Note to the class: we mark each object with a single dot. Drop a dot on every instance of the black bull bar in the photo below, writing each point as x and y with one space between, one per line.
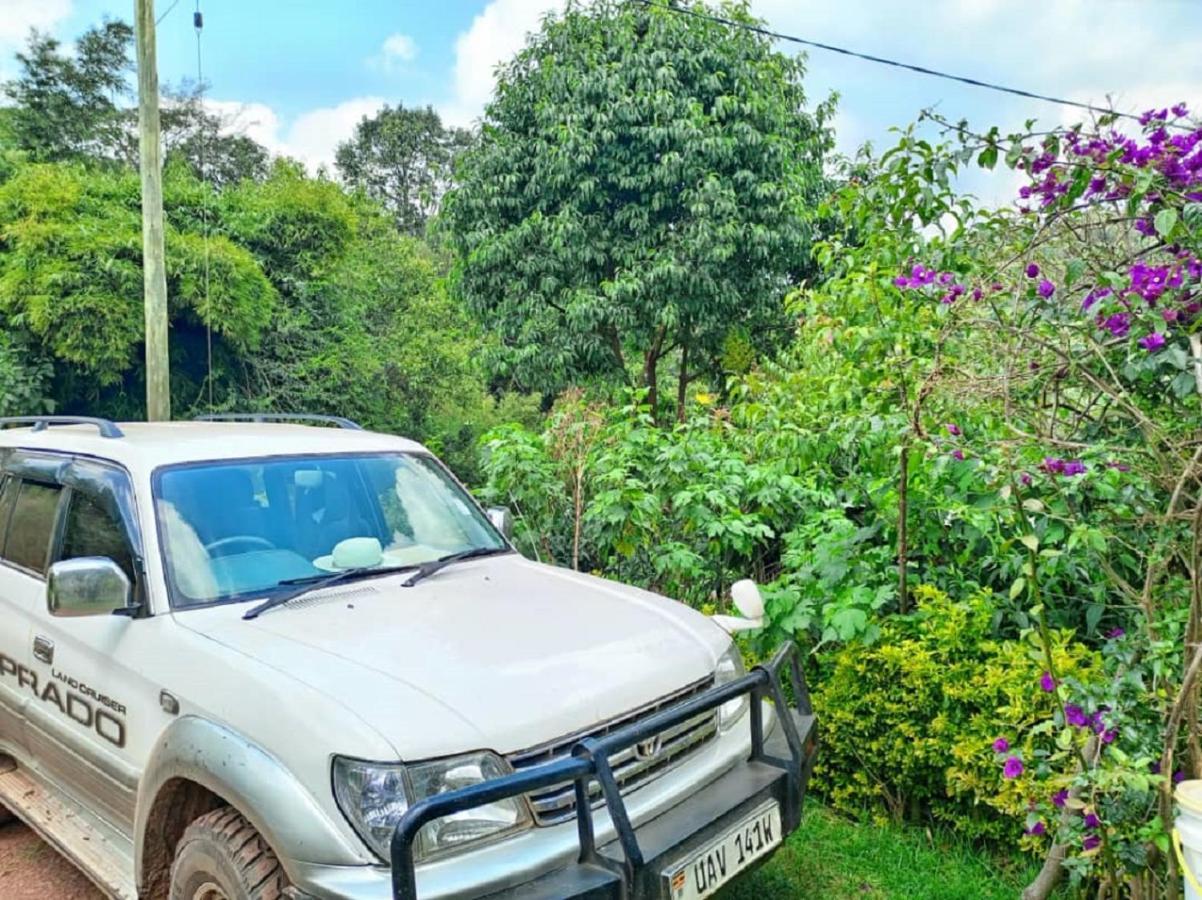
589 761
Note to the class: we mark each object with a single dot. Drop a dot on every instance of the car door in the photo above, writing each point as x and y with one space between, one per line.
18 592
88 733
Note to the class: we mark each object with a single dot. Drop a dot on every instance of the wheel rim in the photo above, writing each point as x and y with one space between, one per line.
209 890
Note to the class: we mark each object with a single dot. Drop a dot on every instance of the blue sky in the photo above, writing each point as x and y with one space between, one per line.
298 74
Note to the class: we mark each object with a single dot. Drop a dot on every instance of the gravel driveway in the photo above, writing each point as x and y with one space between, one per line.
31 870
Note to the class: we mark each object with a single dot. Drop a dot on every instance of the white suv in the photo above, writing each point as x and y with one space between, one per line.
246 659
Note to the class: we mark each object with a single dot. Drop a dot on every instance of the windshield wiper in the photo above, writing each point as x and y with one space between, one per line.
310 583
425 570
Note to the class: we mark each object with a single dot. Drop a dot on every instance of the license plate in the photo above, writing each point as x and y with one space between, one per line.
718 862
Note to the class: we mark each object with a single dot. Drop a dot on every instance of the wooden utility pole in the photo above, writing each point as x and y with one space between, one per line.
154 267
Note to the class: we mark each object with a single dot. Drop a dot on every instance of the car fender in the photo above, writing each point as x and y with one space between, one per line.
249 778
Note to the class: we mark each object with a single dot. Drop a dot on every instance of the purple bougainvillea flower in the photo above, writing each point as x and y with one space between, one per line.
1091 841
1092 821
953 429
1047 683
1109 735
1025 478
1053 465
1073 467
1115 633
1013 767
1153 341
1075 715
1001 745
1032 270
1180 110
1060 798
1046 289
958 454
1178 777
901 281
1037 828
1118 324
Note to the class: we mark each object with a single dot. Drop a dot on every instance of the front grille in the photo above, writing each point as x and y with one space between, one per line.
631 769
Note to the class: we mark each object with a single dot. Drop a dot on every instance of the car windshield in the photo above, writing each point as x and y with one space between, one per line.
237 530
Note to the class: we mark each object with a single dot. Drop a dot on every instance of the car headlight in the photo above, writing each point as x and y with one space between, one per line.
374 797
730 668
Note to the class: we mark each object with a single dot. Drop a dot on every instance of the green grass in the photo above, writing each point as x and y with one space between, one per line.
832 857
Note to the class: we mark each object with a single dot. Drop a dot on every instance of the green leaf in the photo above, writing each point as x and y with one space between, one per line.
1072 271
1165 222
1183 385
988 157
1030 541
1017 587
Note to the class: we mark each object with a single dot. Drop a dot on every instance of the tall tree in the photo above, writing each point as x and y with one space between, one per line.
211 144
69 107
640 188
402 158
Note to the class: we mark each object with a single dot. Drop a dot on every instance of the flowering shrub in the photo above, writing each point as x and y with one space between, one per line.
1087 320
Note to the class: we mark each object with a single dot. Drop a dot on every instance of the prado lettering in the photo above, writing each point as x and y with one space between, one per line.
72 703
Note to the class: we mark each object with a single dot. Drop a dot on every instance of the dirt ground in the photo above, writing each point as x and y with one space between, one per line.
31 870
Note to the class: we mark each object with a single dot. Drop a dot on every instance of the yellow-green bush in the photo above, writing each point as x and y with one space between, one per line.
908 723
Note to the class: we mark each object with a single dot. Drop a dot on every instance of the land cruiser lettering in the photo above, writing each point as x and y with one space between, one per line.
73 703
372 694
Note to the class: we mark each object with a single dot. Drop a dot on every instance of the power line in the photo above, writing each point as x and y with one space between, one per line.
922 70
159 20
198 23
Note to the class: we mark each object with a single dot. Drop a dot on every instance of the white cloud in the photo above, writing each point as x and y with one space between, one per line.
494 36
18 16
396 50
312 137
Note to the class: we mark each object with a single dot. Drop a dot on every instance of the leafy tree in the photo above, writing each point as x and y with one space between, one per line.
71 274
209 143
402 158
68 107
640 189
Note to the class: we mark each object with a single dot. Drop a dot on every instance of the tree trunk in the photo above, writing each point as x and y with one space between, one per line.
683 384
651 371
650 376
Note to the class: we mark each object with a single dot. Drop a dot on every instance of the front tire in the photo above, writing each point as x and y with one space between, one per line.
222 857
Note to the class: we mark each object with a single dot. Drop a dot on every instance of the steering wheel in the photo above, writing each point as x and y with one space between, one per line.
249 540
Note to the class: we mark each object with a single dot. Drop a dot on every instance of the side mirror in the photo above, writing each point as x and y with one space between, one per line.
88 586
747 598
502 520
748 601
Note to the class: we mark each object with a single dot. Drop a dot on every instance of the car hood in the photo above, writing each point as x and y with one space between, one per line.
499 653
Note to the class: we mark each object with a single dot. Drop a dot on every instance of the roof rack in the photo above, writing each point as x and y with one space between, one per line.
107 428
340 421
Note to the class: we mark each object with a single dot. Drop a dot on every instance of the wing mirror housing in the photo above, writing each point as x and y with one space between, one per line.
87 586
748 601
502 520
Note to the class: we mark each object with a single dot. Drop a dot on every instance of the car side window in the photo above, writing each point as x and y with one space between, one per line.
8 493
31 525
91 531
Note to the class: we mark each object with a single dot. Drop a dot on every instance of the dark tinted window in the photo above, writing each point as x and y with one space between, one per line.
31 525
90 531
8 493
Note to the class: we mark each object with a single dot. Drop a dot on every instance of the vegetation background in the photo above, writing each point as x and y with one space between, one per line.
646 306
